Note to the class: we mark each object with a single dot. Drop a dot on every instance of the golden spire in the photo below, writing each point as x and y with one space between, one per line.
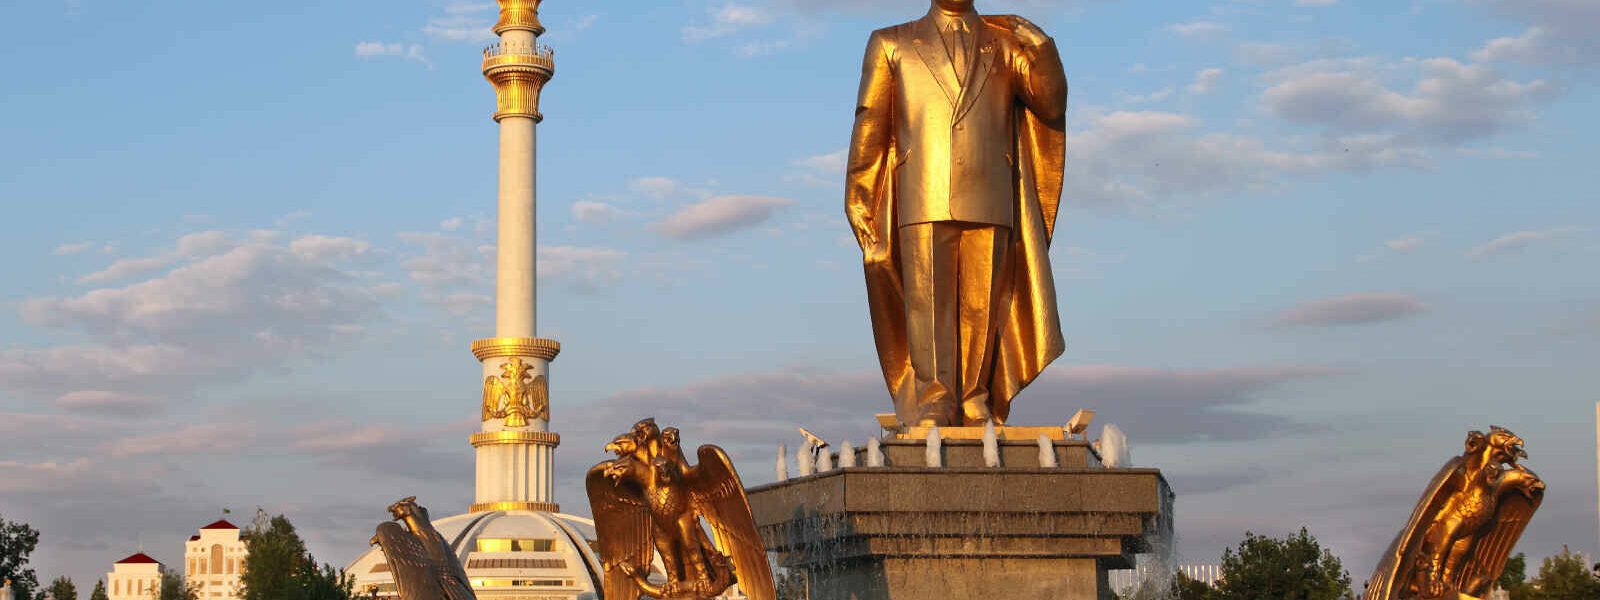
518 66
519 14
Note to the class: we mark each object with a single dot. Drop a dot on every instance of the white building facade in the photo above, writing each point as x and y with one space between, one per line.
137 577
214 560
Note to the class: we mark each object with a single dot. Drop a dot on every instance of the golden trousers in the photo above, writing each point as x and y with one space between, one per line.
956 278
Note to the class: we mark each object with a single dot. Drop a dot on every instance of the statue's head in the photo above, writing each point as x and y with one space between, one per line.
669 437
954 5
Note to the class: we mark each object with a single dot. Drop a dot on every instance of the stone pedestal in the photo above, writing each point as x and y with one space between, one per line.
906 531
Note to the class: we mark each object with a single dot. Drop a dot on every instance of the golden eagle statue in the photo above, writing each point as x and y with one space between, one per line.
649 500
1464 527
515 395
423 565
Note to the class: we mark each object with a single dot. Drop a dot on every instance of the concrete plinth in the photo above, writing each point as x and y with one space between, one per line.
906 531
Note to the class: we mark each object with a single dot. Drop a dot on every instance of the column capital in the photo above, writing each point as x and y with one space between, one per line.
500 347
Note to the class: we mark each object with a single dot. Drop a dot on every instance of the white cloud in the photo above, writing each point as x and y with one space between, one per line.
1205 81
1559 32
463 22
1156 96
128 267
822 170
21 477
583 268
728 19
1404 244
1199 29
657 187
587 211
1353 309
407 51
110 402
1396 246
323 248
831 163
1450 102
1518 240
225 308
719 215
1141 161
74 248
189 439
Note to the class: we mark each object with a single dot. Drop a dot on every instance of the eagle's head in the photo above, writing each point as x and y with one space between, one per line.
623 445
646 431
407 507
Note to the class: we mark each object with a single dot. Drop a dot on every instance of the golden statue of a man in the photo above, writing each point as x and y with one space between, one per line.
952 185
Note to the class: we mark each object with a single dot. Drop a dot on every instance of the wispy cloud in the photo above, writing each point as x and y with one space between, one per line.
717 216
1353 309
1519 240
1205 81
1199 29
406 51
728 19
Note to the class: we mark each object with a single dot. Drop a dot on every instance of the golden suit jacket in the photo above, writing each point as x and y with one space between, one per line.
954 142
926 148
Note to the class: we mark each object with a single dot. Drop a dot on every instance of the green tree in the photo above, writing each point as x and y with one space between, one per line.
99 592
1564 577
62 589
1514 577
278 567
174 587
1293 568
1184 588
1516 572
17 541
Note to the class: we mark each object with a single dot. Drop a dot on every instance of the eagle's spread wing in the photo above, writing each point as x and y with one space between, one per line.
1403 550
493 390
718 495
416 572
622 530
1490 553
539 395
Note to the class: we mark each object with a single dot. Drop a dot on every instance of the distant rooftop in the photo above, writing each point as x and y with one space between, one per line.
221 524
138 558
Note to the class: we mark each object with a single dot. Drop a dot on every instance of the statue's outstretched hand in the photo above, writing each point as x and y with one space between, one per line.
1027 32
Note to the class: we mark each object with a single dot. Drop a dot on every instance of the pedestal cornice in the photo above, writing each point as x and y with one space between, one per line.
501 347
550 507
537 438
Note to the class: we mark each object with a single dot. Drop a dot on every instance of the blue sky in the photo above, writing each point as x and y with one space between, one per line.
1306 245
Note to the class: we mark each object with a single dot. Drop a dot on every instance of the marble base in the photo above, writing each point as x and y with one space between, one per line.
905 531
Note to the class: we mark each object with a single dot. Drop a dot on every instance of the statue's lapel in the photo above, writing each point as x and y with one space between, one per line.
930 48
980 68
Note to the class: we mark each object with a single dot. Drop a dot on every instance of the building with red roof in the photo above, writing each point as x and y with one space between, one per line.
137 577
213 559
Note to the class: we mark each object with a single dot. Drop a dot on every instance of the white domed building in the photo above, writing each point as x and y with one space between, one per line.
513 541
508 555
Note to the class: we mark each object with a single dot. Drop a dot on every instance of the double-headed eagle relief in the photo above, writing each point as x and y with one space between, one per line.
516 395
649 500
1465 525
424 567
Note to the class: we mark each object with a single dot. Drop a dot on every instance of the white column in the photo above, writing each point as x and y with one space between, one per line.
516 269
